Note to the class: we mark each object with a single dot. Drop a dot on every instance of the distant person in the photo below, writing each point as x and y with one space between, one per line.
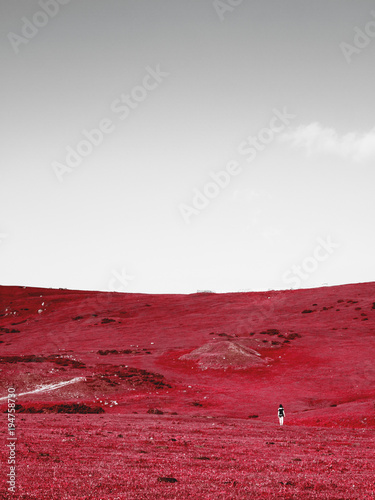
281 414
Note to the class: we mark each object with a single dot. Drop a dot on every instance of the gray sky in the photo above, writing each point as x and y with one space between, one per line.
175 145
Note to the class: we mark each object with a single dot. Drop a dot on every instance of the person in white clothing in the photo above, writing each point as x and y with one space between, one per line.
281 414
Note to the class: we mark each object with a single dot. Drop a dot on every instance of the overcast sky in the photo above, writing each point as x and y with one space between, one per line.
182 145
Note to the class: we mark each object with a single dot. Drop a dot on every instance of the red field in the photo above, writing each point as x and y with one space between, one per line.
131 396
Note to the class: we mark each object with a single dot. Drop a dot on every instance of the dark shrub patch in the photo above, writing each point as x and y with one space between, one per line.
292 336
30 358
60 408
155 411
108 320
270 331
21 359
115 351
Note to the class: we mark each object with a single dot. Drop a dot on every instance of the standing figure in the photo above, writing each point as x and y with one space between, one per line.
281 414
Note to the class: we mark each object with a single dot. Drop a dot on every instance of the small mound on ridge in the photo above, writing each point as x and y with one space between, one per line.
225 354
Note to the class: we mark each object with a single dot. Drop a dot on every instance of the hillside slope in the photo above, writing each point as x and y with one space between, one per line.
130 352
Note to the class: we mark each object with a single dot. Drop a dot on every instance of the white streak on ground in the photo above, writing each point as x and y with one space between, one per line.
49 387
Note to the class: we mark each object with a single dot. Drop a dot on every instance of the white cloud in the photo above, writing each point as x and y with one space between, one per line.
315 138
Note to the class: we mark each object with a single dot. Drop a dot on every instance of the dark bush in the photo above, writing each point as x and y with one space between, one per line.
155 411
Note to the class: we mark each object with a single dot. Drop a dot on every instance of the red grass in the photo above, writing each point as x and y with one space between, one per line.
318 364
